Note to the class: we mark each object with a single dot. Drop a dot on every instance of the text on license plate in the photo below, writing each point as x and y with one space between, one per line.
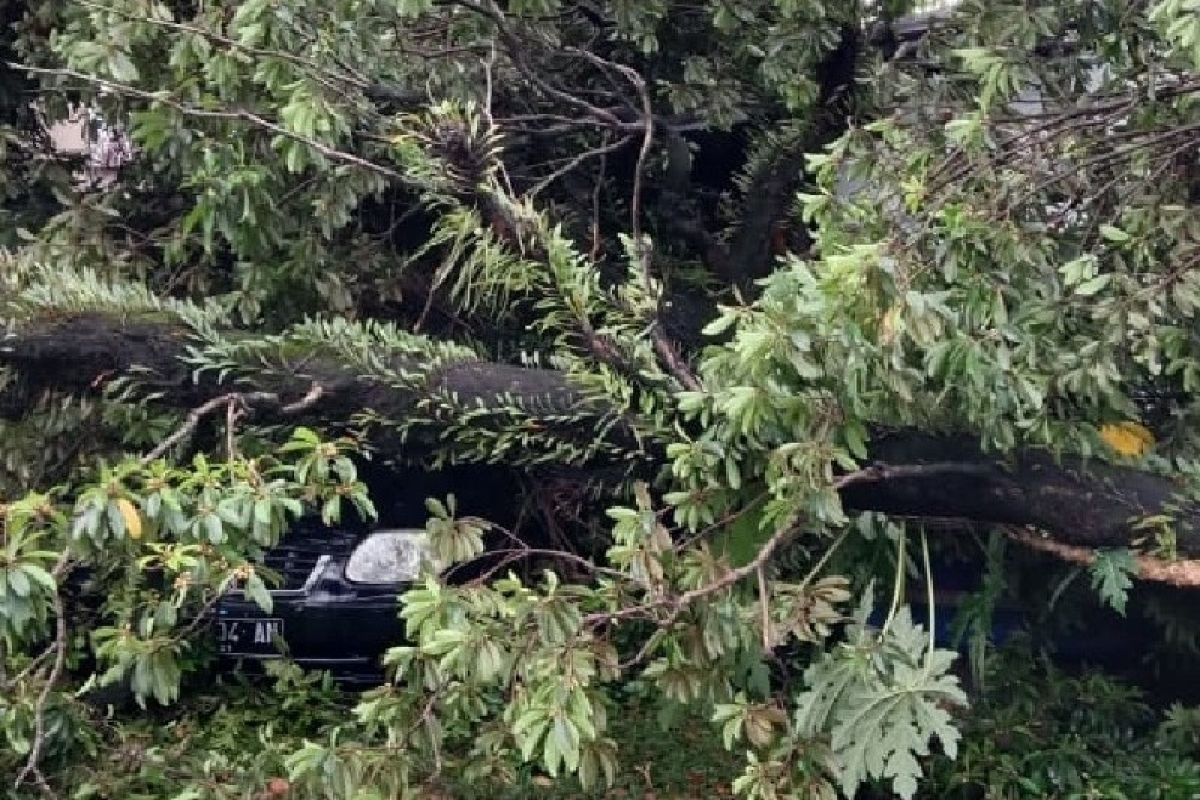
249 636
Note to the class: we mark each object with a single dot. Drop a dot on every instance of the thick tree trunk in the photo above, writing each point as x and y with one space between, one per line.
81 353
1088 504
1092 503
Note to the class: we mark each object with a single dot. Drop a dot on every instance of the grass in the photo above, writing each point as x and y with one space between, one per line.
228 734
1037 732
683 761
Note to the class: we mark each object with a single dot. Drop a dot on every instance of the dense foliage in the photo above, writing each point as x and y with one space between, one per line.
1034 732
740 287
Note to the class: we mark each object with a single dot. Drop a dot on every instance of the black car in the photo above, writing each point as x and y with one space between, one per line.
335 603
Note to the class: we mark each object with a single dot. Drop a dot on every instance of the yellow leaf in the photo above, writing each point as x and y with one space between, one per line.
887 326
1128 438
133 520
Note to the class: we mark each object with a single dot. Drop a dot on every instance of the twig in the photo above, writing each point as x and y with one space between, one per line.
1056 125
648 131
635 206
680 603
898 586
315 393
190 423
765 608
34 665
1114 156
673 360
231 402
601 151
31 768
666 350
876 473
597 240
513 555
1181 574
233 411
929 601
516 51
488 65
202 615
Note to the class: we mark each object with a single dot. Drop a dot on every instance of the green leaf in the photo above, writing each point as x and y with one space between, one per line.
562 745
122 68
213 529
18 581
1111 573
882 713
745 535
597 757
40 576
855 436
256 590
1114 234
1093 285
116 519
413 8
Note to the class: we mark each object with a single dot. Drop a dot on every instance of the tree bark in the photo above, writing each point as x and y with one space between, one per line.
80 353
1090 504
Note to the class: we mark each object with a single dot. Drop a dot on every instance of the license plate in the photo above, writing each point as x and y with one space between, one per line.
250 637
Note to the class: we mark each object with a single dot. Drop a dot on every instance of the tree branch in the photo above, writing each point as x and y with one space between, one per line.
32 768
1181 574
242 115
1086 503
316 71
1089 504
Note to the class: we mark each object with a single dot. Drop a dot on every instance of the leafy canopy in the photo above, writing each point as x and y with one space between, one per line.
429 208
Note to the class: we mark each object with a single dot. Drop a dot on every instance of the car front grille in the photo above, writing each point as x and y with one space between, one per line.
295 558
293 565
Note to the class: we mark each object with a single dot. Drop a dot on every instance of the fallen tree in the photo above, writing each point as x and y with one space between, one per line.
766 313
909 474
